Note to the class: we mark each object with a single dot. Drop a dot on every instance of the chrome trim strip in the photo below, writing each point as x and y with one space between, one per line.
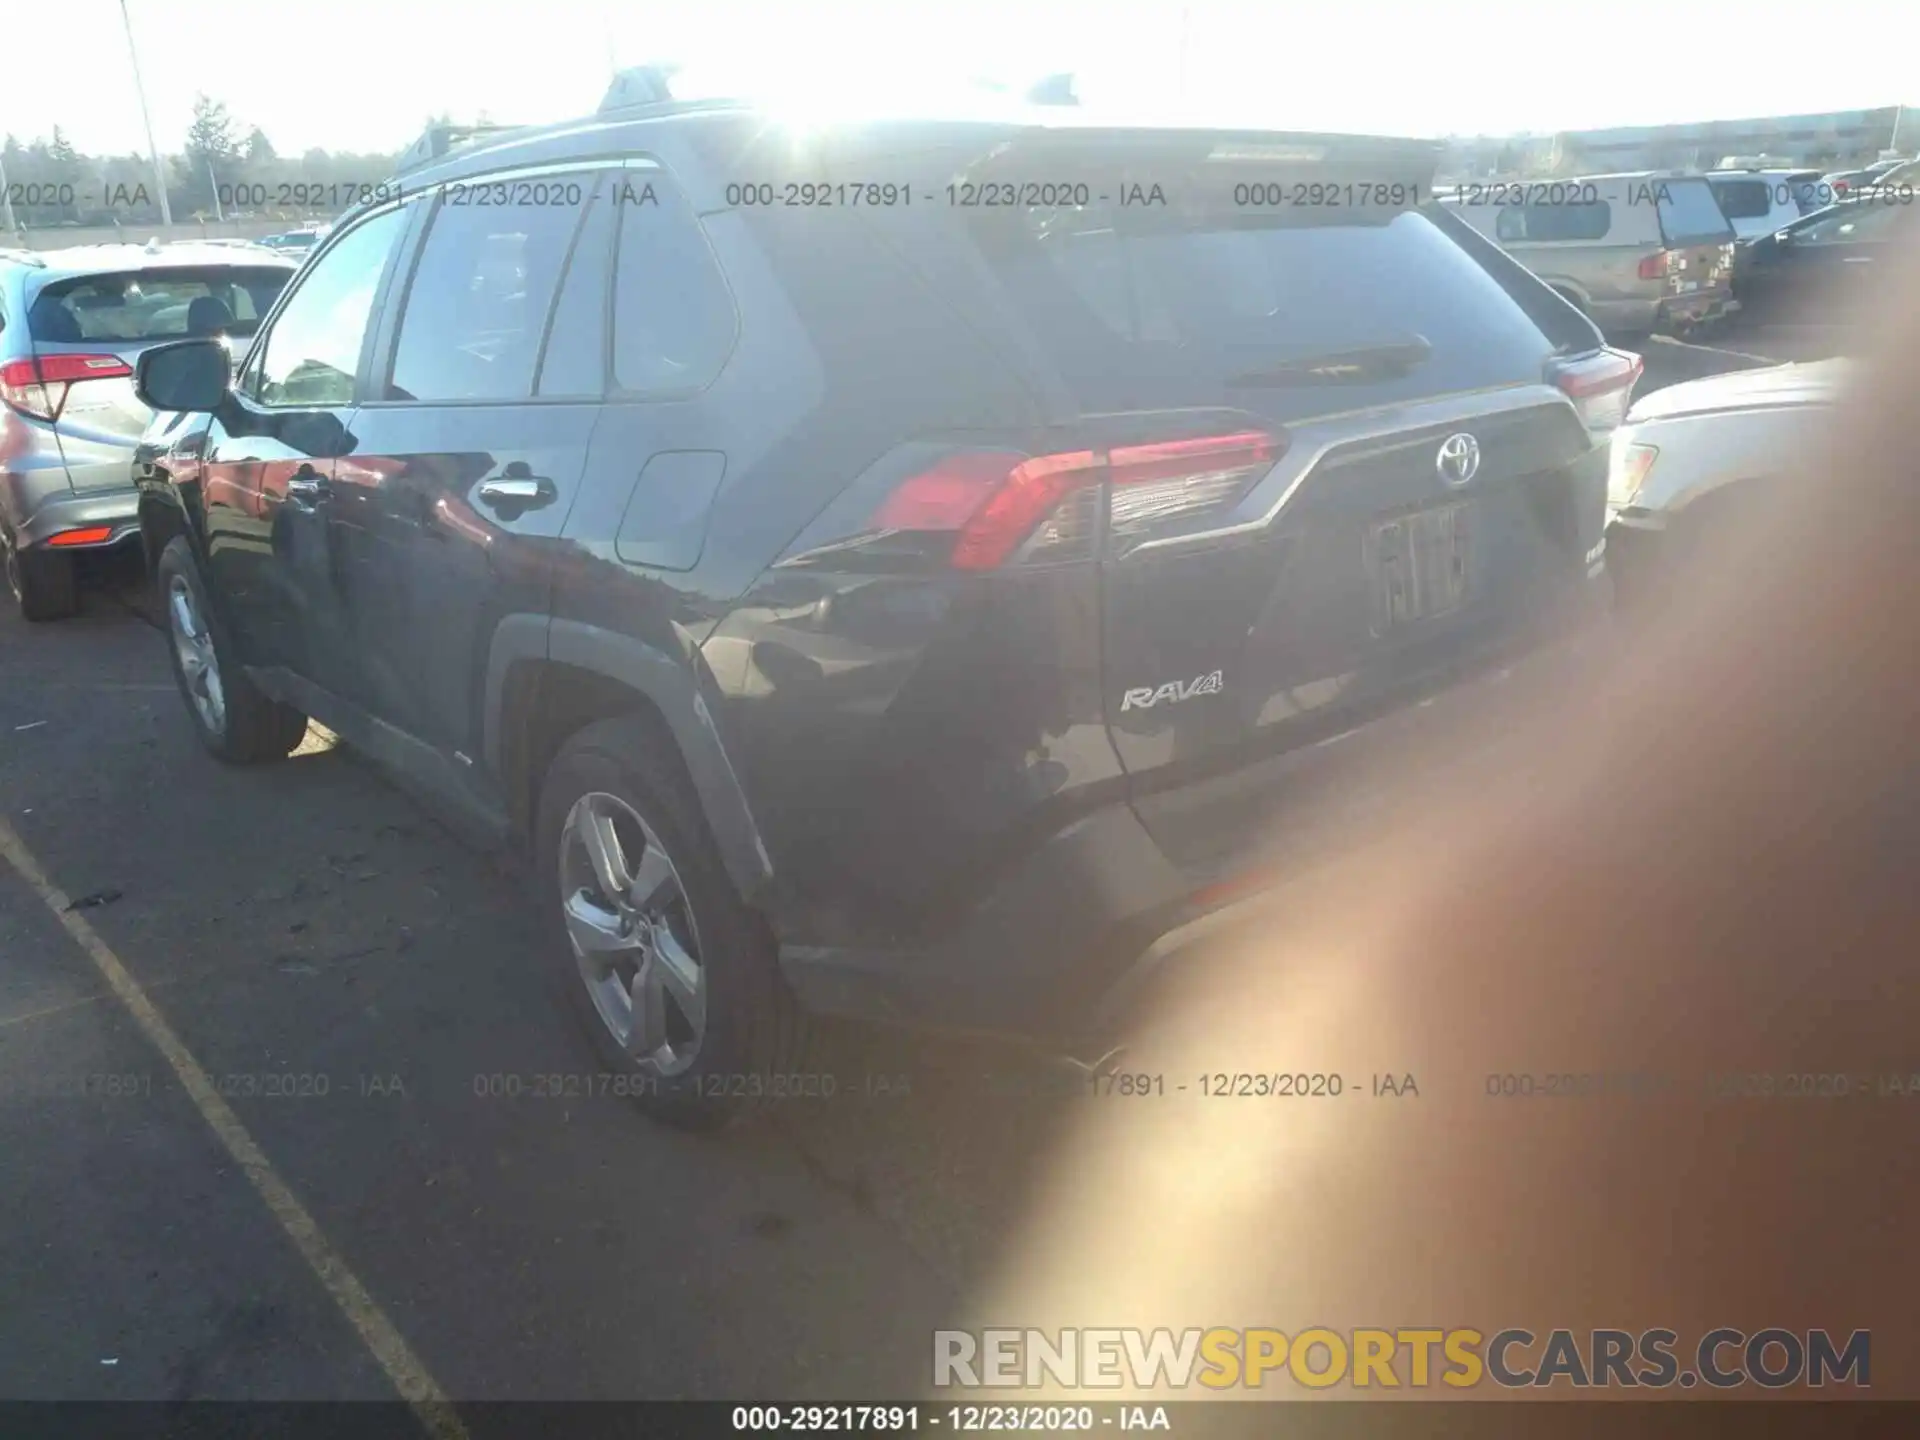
1314 441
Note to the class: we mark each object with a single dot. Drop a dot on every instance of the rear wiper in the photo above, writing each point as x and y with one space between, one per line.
1335 367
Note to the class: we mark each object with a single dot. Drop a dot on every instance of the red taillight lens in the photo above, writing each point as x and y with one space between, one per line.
39 387
1601 387
92 535
1654 266
1003 503
1156 483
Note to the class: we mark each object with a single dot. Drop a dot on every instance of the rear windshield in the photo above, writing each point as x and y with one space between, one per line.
1744 199
148 305
1688 212
1227 310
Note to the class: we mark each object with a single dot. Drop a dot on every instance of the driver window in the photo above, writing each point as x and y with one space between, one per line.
312 353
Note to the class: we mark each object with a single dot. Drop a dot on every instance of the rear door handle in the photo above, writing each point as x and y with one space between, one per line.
519 492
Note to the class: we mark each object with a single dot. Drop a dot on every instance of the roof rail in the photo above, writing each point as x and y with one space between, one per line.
639 85
23 257
437 141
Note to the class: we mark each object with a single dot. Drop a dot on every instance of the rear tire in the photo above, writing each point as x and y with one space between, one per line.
753 1042
44 585
234 718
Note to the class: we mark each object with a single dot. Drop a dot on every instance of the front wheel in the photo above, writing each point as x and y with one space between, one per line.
672 977
234 719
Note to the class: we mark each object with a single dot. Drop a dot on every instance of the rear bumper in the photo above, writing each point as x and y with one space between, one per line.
1697 309
1060 946
118 509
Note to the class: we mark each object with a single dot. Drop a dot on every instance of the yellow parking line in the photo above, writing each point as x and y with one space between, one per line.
417 1387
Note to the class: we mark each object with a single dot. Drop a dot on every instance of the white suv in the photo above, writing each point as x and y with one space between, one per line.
1759 202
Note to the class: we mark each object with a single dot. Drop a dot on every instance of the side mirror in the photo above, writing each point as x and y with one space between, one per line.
186 375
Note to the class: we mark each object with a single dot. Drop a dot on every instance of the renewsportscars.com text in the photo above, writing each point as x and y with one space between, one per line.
1416 1358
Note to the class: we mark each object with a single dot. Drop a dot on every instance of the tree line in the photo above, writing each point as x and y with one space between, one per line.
223 168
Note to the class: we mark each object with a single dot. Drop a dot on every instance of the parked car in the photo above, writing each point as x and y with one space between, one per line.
1841 184
1759 202
294 242
1694 458
1635 252
910 611
72 324
1828 267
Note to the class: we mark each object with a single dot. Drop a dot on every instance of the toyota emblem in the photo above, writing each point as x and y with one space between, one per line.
1459 459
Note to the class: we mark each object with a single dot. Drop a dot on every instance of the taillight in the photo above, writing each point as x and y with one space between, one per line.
1654 266
1005 505
1600 386
39 387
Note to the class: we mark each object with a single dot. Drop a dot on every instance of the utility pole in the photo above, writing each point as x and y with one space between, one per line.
1186 24
140 90
6 197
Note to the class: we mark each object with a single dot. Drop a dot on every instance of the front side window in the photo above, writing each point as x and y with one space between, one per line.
312 352
477 307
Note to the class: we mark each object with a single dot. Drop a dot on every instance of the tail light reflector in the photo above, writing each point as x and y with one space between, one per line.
1655 266
91 535
38 387
1005 505
1601 387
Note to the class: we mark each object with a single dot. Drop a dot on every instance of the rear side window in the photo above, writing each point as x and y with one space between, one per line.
673 316
1810 194
1744 199
139 306
1285 317
1688 212
477 308
1589 220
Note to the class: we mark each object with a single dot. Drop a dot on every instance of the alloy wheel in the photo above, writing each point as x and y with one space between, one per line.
193 645
633 935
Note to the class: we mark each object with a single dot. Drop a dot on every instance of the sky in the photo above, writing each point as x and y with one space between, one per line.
364 75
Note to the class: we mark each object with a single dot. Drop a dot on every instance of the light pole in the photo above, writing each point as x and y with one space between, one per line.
140 90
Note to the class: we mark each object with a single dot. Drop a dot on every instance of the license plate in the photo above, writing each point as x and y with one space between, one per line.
1420 565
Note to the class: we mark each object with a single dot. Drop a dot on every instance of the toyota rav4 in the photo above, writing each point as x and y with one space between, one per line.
897 570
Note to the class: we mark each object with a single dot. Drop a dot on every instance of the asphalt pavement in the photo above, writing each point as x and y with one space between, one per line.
357 991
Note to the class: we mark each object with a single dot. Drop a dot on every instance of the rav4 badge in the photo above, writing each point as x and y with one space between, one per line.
1146 697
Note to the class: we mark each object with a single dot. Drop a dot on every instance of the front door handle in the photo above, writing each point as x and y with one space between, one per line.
518 492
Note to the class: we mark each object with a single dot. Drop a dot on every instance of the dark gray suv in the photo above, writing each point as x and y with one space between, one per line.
896 571
72 323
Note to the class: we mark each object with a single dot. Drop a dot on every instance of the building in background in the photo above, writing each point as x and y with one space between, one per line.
1829 141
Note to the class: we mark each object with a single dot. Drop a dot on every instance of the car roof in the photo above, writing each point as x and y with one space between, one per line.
112 259
1759 174
640 128
1638 175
